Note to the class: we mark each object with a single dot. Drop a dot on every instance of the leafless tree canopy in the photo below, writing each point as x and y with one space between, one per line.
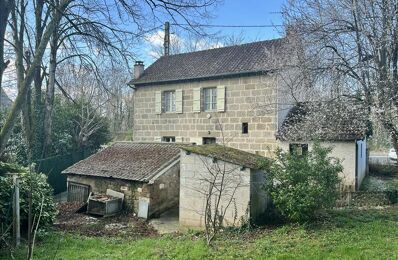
355 45
46 34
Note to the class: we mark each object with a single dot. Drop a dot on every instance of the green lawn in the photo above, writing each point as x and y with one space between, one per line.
348 234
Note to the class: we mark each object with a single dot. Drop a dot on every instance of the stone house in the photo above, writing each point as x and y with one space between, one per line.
243 197
191 97
185 97
147 174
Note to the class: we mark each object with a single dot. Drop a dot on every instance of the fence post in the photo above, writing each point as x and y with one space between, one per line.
16 211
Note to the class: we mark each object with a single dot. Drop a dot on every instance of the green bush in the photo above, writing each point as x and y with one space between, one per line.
40 188
300 185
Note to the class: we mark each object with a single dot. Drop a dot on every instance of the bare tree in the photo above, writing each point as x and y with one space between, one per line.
25 75
220 184
217 183
356 45
6 7
182 41
95 25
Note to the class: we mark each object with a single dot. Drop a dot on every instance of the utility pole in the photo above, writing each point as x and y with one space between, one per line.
166 44
16 211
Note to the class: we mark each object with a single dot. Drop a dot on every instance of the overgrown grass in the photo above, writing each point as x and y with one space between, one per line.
381 178
349 234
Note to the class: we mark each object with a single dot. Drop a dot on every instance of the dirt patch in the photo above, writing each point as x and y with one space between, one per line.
121 225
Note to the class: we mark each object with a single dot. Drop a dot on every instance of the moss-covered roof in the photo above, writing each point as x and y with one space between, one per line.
227 154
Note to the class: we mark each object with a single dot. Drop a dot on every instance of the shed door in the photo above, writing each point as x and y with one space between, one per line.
77 192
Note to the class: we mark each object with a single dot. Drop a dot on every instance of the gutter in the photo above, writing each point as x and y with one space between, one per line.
218 76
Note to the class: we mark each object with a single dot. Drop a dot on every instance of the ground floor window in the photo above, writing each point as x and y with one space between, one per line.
245 128
209 140
169 139
298 149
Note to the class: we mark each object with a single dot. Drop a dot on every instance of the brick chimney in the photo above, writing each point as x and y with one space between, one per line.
138 69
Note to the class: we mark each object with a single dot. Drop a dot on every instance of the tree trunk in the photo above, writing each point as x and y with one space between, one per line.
37 106
25 83
5 10
49 102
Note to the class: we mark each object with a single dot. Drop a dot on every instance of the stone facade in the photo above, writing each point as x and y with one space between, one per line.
250 99
243 184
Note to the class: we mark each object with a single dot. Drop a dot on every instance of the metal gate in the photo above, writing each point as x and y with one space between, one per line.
78 192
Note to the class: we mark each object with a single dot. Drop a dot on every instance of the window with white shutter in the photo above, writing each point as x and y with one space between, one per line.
179 101
158 102
221 98
196 100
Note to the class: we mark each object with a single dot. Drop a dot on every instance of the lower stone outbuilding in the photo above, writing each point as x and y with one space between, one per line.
147 173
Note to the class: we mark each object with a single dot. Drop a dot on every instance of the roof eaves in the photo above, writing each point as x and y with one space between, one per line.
163 168
218 157
102 176
210 77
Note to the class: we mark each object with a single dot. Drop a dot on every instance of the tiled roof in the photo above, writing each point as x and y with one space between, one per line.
227 154
339 120
239 59
127 161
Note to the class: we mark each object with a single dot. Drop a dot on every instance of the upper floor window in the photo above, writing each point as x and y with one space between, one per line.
169 104
209 99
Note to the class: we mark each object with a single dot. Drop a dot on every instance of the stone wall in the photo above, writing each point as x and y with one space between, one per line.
248 100
259 199
192 188
164 192
99 185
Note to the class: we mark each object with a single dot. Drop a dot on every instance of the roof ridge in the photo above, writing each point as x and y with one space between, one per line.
228 61
224 47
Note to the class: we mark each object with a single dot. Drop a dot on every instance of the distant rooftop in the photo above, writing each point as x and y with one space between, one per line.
227 154
241 59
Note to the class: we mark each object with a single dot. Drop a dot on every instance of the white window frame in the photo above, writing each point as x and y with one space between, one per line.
169 101
210 99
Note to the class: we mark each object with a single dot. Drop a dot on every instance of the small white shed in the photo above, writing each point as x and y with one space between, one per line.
339 124
243 197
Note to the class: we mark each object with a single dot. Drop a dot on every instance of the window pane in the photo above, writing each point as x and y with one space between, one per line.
173 101
209 99
169 101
